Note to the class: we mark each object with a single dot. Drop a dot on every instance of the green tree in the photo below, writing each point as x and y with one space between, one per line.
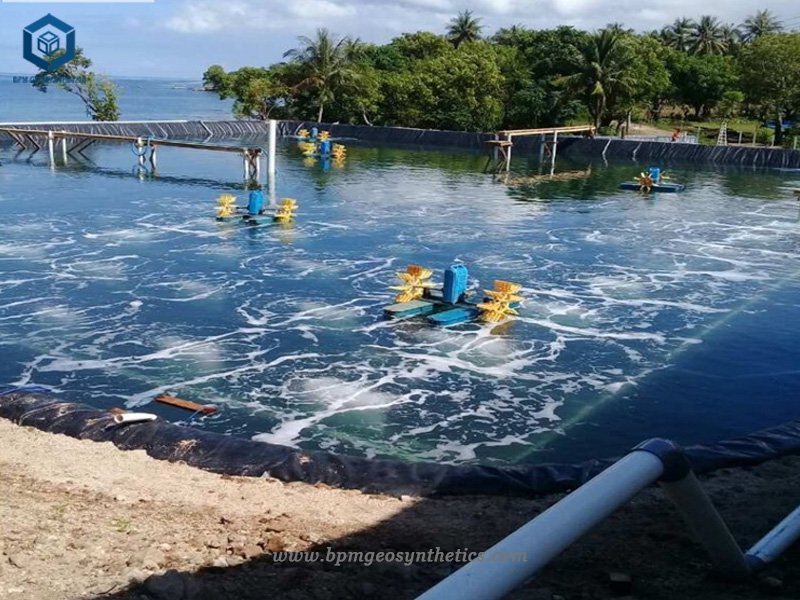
328 66
759 24
214 78
464 28
700 82
460 90
98 93
770 72
537 61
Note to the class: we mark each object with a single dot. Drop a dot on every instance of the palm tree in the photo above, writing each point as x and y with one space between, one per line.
327 64
601 74
732 37
708 37
679 34
761 23
464 28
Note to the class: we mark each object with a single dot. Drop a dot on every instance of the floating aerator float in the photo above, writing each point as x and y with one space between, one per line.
450 305
319 144
255 213
653 180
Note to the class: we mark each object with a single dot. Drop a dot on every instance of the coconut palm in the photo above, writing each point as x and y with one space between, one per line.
732 37
679 34
761 23
601 73
464 28
328 65
708 37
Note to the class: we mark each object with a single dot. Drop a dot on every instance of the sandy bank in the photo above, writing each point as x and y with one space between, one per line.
84 520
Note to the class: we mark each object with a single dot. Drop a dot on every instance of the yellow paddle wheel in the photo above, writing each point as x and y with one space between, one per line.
499 306
645 181
226 206
338 152
307 148
285 211
414 283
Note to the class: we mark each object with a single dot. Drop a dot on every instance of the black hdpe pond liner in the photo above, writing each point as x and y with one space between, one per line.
240 456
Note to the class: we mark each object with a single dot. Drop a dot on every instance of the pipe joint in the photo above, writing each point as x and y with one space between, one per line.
676 465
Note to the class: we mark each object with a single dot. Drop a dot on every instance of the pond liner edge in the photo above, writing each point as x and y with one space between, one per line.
231 455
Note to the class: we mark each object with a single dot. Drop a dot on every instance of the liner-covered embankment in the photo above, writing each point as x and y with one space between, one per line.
240 456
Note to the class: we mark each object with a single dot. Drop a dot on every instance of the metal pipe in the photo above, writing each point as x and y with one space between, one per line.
546 536
245 158
64 148
273 135
705 522
768 548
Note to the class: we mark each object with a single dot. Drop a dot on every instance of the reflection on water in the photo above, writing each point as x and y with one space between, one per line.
670 315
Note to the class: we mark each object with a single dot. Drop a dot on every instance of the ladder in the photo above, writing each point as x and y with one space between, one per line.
722 138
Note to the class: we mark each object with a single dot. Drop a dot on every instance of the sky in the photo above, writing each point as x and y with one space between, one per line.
181 38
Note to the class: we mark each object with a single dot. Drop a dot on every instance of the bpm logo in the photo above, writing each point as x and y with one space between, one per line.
46 38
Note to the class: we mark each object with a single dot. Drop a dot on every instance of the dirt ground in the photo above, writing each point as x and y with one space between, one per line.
85 520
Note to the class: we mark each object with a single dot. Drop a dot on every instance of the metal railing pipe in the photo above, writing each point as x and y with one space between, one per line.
516 558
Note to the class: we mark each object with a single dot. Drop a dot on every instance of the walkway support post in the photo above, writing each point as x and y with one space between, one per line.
140 151
64 147
50 148
553 153
246 163
273 137
508 153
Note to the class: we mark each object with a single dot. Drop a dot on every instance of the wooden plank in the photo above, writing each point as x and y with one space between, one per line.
206 409
454 316
409 309
546 130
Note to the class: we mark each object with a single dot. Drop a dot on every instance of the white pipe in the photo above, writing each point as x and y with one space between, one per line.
542 539
246 166
64 148
783 535
273 134
706 523
123 418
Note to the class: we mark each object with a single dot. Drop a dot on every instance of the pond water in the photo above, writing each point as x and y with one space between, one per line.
672 315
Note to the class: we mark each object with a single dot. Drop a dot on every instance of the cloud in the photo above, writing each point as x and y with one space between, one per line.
369 19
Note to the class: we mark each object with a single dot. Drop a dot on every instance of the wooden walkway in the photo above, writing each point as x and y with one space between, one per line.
77 141
504 140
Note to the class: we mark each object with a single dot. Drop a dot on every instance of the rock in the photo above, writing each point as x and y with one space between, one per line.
18 560
406 498
251 551
220 562
274 544
136 576
149 558
620 584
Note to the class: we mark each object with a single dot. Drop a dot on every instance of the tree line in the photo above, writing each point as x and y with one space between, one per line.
520 77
